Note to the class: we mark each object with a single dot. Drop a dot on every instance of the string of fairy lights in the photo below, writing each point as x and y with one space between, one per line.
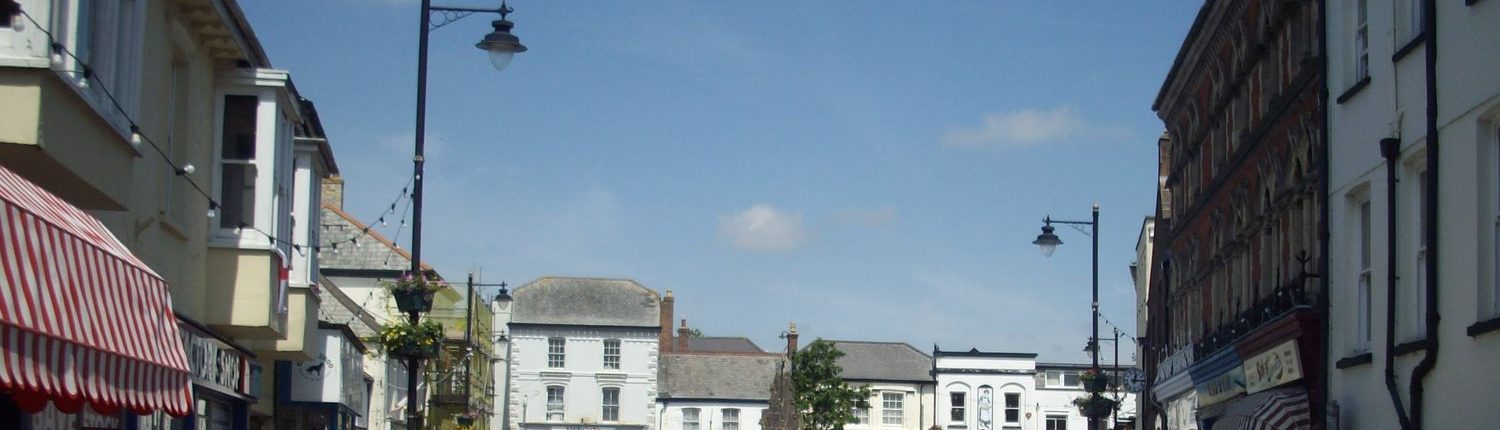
185 170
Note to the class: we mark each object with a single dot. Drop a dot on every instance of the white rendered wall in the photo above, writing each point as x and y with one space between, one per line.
710 415
1393 106
583 376
916 404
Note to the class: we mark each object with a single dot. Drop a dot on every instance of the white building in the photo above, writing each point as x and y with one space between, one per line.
716 390
583 353
1140 273
1383 158
1011 391
900 381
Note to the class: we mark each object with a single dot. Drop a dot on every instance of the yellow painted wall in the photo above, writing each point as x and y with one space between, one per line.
243 290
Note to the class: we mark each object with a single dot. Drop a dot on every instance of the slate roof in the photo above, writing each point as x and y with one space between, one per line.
375 251
343 310
721 344
883 361
718 376
586 301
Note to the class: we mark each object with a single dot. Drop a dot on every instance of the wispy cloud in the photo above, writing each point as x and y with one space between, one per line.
763 227
868 217
1028 127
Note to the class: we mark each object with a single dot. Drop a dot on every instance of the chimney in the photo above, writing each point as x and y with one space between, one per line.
682 337
333 191
791 340
664 339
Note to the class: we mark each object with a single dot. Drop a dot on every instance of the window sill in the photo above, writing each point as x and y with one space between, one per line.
1353 360
1353 89
1408 47
1410 347
1470 2
1485 326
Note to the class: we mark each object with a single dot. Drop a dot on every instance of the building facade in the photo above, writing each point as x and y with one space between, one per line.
1237 266
708 390
1140 274
583 353
1413 209
1010 391
166 121
900 381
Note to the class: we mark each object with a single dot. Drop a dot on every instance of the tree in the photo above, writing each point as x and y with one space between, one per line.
825 400
694 332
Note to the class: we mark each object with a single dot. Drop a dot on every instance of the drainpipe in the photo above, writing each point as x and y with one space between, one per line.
1324 182
1430 224
1390 149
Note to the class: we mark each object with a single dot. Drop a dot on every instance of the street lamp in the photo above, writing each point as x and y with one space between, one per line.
502 46
1048 242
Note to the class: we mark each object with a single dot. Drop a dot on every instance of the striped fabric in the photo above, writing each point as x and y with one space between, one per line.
82 320
1281 409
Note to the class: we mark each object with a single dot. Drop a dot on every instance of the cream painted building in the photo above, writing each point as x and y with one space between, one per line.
179 97
1012 391
1383 158
900 381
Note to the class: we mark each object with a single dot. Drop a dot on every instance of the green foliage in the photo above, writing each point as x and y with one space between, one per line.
826 402
693 332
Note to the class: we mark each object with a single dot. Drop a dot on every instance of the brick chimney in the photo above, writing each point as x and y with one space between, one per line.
333 191
791 340
664 339
683 336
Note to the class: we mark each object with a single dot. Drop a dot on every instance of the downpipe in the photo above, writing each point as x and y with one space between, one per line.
1390 149
1430 206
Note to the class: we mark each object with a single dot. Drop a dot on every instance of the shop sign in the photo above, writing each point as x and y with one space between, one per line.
1272 368
214 362
1223 387
86 419
1174 364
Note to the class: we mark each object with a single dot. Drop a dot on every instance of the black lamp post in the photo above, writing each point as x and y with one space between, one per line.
1048 242
502 46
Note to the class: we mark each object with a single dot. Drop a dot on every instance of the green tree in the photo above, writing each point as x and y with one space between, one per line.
693 332
824 399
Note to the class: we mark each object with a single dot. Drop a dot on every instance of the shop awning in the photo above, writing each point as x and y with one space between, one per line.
82 320
1279 409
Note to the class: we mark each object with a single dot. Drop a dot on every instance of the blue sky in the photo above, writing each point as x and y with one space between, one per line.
869 170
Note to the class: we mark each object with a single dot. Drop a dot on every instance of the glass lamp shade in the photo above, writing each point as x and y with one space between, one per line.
500 59
1047 250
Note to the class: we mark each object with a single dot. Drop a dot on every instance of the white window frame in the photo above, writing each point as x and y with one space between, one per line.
274 175
1052 419
692 418
1360 43
1363 274
557 352
557 403
610 410
1408 21
958 412
730 419
612 354
892 408
1005 413
861 416
118 66
1415 299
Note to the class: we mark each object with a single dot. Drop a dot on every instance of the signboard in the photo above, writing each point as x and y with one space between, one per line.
213 362
1220 388
1272 368
86 419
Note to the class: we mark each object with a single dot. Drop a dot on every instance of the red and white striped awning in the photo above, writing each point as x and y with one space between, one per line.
82 320
1279 409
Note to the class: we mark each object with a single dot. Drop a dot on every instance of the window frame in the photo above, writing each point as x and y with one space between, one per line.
122 63
958 407
1050 419
1364 280
892 416
557 403
557 352
612 360
697 419
1011 409
729 419
609 411
861 416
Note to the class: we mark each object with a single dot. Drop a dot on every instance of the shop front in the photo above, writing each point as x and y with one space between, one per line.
1275 381
329 392
1173 391
88 332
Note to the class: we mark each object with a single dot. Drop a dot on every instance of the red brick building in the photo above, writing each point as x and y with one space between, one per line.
1238 245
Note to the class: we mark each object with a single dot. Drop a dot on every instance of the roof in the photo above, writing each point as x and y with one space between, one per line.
975 352
586 301
343 310
373 250
883 361
718 376
721 344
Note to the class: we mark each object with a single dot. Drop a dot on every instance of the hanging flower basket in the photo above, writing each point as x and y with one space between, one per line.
1094 382
403 339
414 293
1096 405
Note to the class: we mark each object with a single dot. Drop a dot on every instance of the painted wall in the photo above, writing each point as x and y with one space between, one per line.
583 375
1393 105
916 411
710 415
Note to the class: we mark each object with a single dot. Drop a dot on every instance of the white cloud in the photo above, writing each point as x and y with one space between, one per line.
868 217
763 227
1028 127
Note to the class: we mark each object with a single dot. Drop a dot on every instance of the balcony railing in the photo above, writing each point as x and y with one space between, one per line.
1283 300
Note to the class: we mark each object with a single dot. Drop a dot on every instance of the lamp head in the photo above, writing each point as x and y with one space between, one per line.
500 43
1047 241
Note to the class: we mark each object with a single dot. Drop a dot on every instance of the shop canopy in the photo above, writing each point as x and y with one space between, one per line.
82 320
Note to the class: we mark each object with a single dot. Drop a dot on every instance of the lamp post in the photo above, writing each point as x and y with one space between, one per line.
502 47
1048 242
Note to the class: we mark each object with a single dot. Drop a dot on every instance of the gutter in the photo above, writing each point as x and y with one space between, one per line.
1324 182
1390 149
1430 206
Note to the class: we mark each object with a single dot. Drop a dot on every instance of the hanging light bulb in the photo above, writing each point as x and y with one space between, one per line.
382 222
355 241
